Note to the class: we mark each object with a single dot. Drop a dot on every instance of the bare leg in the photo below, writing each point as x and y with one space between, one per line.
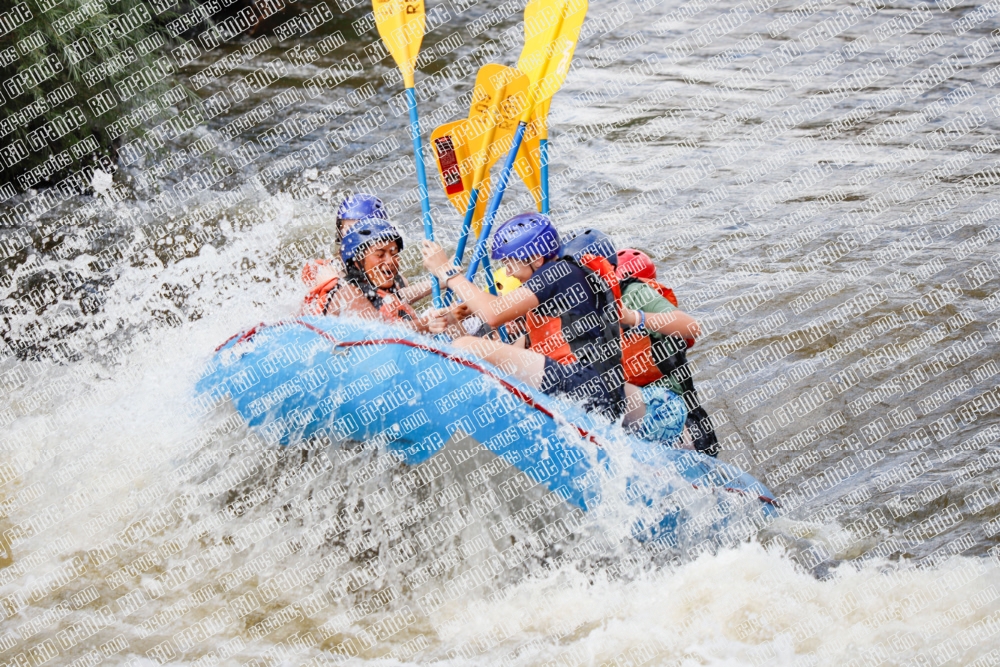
635 405
525 365
529 367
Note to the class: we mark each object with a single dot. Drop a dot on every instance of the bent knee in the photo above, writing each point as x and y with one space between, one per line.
477 346
465 342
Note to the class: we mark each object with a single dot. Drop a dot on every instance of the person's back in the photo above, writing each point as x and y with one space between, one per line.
570 322
571 327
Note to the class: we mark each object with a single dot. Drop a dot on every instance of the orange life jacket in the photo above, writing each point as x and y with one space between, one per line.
316 275
644 360
664 291
560 338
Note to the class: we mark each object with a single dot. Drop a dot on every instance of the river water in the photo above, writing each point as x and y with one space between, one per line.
816 182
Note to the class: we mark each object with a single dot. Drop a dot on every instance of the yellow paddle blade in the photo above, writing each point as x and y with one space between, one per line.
499 98
528 164
456 167
400 24
551 30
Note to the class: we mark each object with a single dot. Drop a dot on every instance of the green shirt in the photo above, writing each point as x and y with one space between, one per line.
640 296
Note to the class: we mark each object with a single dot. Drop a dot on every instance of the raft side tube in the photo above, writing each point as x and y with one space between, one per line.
366 381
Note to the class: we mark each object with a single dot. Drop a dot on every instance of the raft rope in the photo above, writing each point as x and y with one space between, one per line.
525 397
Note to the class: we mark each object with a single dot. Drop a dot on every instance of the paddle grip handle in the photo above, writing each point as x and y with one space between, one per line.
543 158
479 254
425 201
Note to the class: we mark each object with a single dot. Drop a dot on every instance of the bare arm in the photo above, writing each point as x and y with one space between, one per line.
675 322
350 301
416 291
447 320
494 310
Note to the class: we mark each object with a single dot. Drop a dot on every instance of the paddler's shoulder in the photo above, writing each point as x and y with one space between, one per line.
637 295
558 271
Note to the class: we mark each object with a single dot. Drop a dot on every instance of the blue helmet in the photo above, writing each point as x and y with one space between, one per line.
524 236
363 235
590 242
361 206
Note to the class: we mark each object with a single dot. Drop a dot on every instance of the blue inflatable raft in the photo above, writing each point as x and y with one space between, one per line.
418 399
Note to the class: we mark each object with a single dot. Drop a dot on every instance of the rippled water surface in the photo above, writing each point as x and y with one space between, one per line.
828 215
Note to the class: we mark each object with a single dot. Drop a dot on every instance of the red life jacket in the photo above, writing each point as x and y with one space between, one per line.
665 292
557 337
390 307
644 360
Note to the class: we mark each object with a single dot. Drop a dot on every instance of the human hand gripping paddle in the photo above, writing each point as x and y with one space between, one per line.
455 164
401 24
499 98
552 28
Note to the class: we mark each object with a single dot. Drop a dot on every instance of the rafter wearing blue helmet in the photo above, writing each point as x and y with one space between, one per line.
572 318
370 252
589 242
321 276
373 286
645 351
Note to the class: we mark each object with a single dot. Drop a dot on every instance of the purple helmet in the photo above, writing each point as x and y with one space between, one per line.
361 206
525 236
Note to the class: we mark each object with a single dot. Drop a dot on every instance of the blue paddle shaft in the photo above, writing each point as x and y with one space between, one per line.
492 286
543 157
425 202
491 211
463 238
